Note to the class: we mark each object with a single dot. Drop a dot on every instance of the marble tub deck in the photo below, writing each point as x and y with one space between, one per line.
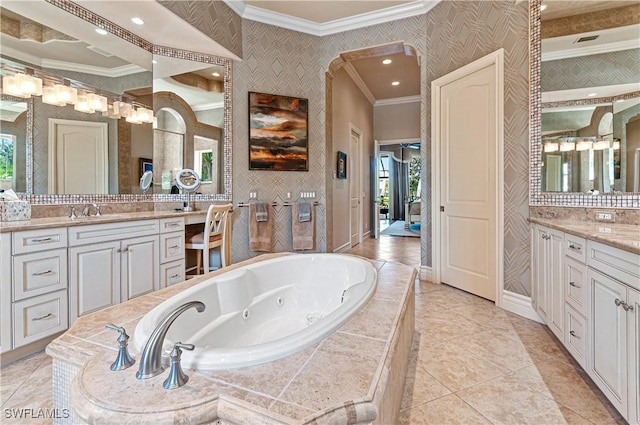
355 375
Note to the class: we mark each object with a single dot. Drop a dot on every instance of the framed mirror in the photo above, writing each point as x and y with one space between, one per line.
585 98
73 54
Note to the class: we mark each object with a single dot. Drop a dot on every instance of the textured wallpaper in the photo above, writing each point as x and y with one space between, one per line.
622 67
213 18
454 33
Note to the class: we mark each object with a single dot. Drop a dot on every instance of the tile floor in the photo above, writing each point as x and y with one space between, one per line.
471 363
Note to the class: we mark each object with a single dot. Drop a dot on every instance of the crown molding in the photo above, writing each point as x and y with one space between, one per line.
593 50
407 10
207 106
351 71
398 100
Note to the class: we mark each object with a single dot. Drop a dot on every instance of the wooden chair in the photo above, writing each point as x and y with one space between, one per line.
218 226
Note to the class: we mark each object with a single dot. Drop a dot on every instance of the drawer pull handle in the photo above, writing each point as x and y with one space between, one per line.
122 250
174 276
574 285
174 247
42 273
42 240
173 224
618 302
576 247
46 316
627 307
574 334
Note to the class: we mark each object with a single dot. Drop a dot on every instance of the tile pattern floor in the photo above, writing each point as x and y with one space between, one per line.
471 363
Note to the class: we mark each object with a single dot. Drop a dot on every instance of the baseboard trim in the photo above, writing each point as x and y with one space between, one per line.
520 305
343 248
426 273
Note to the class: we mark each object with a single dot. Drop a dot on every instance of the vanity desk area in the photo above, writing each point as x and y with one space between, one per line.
57 269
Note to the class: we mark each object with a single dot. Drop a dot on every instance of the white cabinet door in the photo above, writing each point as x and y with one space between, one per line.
140 263
555 283
94 278
608 360
634 356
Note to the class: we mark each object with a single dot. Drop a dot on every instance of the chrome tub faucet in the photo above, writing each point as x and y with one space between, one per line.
151 357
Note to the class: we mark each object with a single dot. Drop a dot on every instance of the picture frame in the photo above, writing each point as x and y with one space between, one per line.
341 168
278 132
145 164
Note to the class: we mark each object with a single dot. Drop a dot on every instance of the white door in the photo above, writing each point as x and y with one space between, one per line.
553 174
78 157
376 192
353 174
468 134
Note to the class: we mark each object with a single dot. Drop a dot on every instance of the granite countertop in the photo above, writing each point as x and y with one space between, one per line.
622 236
49 222
336 380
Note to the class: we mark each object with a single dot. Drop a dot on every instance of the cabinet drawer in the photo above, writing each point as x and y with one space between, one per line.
172 225
575 247
575 339
172 273
38 317
39 273
171 247
617 263
95 233
575 281
39 240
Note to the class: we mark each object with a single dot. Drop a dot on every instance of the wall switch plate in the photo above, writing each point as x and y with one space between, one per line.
609 216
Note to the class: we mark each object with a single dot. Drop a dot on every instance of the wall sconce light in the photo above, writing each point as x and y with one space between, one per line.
551 147
97 102
567 146
616 145
83 104
584 145
22 85
601 145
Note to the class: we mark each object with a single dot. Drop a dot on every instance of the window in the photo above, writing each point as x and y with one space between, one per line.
7 143
203 164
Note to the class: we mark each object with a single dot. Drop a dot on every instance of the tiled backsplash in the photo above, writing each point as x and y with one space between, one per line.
622 216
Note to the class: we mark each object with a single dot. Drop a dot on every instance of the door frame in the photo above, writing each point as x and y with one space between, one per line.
496 58
355 131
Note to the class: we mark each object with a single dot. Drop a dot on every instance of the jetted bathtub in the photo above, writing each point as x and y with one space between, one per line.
264 311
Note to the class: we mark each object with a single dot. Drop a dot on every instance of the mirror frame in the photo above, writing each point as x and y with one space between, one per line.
536 196
226 63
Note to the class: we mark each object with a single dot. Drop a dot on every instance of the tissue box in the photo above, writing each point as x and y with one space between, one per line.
15 210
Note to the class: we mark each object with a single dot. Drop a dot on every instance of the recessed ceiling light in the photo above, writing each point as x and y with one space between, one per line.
215 74
101 31
543 7
592 94
395 83
387 61
137 21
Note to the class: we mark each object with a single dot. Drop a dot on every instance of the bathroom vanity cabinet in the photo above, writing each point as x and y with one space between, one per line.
547 273
112 263
50 275
598 286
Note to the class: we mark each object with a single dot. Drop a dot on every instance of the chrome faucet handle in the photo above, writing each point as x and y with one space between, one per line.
124 359
85 210
73 215
177 377
97 207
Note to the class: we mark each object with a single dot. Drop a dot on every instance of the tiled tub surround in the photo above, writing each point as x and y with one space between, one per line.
622 236
356 375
